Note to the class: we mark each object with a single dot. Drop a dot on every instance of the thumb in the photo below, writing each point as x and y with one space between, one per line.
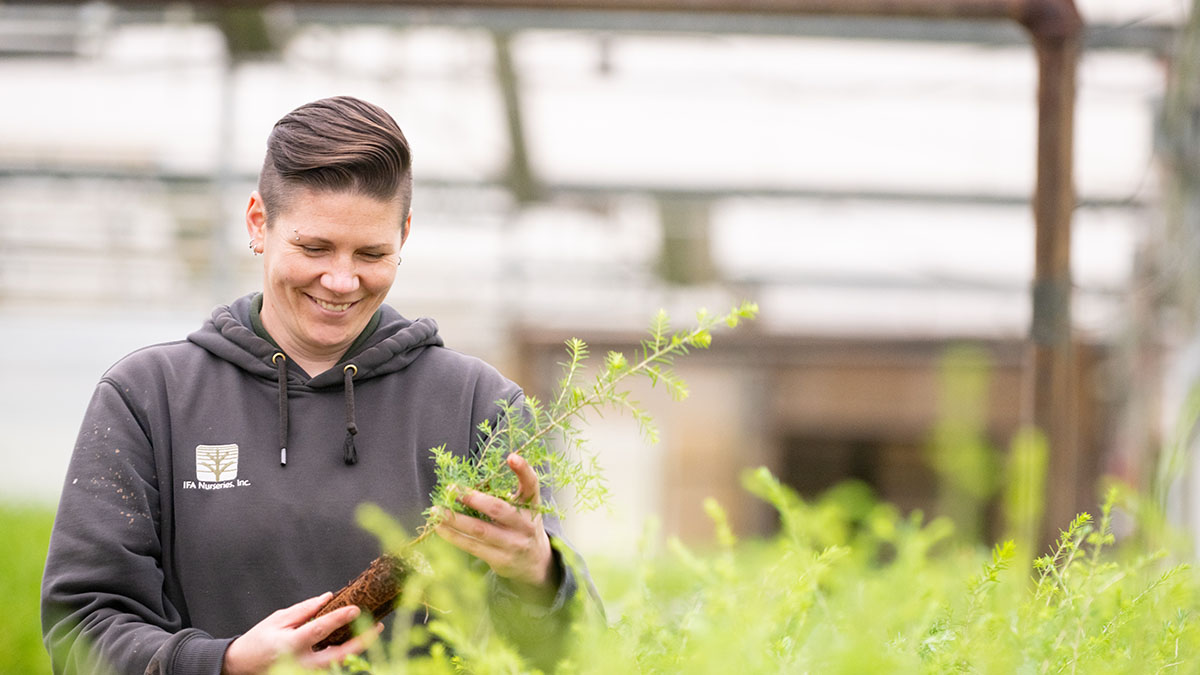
527 480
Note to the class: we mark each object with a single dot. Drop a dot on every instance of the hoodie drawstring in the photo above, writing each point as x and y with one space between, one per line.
280 361
350 454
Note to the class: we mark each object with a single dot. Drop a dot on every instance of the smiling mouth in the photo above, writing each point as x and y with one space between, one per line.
331 306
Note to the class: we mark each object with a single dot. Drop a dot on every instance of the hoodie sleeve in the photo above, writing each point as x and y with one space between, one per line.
104 604
540 631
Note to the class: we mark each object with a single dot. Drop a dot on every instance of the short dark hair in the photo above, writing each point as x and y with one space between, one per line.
336 144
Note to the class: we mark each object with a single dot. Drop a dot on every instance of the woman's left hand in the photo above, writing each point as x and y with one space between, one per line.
514 543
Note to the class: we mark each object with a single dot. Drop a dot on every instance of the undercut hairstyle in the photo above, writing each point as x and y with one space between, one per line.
339 144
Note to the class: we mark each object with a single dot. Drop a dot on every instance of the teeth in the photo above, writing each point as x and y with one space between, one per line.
332 307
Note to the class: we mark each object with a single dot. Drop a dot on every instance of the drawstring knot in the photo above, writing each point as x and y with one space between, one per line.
350 453
280 361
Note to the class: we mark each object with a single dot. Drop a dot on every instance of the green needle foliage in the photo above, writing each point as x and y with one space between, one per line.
546 433
854 587
848 585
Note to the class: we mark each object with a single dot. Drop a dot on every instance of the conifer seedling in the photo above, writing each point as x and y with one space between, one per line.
546 434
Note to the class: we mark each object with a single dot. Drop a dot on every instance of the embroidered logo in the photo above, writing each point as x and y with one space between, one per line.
216 463
216 468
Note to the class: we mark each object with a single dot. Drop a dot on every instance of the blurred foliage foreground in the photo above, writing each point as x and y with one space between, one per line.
848 585
26 531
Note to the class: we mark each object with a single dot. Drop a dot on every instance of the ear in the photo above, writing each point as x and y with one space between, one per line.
256 218
405 228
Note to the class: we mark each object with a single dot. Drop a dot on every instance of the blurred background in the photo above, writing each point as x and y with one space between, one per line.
867 181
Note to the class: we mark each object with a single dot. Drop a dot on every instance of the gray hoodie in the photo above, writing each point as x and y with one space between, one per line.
180 527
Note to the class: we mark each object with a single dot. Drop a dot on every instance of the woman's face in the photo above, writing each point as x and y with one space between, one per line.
328 263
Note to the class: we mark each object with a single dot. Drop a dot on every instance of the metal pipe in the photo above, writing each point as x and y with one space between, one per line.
968 9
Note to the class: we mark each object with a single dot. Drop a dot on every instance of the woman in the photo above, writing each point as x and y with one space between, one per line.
211 494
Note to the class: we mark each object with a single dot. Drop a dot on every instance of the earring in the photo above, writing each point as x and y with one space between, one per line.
251 244
399 260
296 233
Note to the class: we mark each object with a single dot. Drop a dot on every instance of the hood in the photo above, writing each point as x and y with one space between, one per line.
396 343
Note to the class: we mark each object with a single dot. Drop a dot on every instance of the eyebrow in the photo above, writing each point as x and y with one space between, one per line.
382 247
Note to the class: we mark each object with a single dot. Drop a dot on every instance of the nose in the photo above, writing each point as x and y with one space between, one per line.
342 278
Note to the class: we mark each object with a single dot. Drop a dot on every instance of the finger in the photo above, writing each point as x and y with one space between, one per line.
302 611
488 533
525 559
499 511
335 653
527 480
321 628
492 554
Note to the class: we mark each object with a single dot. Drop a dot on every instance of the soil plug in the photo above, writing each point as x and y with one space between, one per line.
374 591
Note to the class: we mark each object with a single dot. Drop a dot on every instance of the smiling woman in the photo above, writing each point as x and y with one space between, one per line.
328 262
154 564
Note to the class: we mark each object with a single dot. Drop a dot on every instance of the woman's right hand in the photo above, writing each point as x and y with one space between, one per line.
291 631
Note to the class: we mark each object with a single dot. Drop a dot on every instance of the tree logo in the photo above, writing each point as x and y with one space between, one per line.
215 463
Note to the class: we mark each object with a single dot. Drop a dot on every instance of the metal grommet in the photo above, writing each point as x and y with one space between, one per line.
348 367
278 355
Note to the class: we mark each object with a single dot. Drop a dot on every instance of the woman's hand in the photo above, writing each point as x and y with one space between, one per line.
514 543
289 631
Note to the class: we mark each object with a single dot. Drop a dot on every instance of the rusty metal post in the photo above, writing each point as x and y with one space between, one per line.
1056 29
